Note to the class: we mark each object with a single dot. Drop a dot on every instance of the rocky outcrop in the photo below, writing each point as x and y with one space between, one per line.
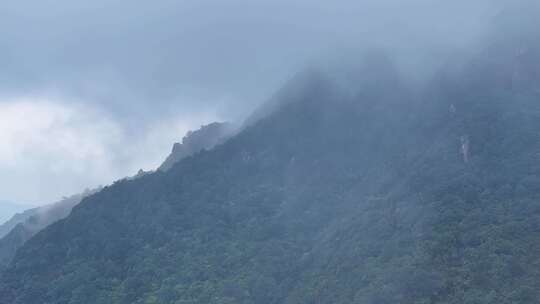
204 138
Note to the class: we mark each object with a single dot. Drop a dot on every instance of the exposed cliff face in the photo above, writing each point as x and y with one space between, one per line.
204 138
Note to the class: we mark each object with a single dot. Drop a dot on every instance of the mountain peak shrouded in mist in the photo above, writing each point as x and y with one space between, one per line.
252 190
352 184
374 73
341 189
98 109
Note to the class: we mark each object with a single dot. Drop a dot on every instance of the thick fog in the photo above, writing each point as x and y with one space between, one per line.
91 91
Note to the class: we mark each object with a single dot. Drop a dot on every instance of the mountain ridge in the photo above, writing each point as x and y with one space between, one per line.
374 195
23 226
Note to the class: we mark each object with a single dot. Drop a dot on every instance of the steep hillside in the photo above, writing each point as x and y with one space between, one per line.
26 224
7 210
23 226
20 217
374 194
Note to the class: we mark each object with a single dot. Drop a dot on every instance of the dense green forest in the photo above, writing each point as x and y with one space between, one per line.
376 195
22 226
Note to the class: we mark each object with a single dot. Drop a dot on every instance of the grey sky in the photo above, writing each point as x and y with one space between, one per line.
90 91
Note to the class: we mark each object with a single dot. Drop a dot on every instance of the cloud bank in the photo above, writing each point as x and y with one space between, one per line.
49 149
93 90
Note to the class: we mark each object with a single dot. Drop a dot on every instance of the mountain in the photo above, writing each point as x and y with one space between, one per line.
204 138
23 226
6 227
8 209
367 194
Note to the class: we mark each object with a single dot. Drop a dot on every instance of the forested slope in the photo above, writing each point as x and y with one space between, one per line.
383 195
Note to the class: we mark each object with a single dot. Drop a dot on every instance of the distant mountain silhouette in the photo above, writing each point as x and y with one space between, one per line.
21 227
17 218
7 210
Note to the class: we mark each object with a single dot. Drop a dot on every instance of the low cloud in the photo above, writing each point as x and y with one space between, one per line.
49 149
94 90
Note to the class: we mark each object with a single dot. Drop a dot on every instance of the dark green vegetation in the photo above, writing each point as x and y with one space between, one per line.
379 196
22 226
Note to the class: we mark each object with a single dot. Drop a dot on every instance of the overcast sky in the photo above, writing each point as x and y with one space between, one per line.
91 91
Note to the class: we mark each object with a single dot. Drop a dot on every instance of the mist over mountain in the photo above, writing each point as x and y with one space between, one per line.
8 209
22 226
6 227
92 91
195 141
370 182
356 188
